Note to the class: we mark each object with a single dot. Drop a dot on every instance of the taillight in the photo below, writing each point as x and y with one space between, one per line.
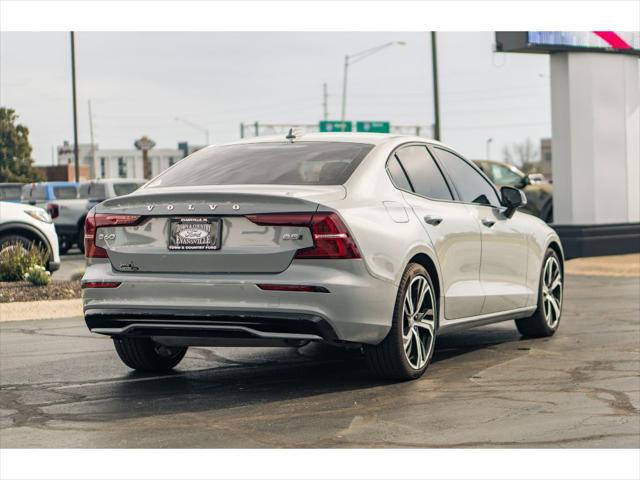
101 284
53 209
331 238
96 220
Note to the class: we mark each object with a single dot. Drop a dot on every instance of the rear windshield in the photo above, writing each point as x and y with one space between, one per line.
125 188
10 192
300 163
65 193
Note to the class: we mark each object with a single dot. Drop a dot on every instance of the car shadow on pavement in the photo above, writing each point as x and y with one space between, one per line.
309 371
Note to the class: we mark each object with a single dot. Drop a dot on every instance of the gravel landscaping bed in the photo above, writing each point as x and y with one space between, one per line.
25 292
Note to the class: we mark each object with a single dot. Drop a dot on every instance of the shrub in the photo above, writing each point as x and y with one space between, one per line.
38 276
16 260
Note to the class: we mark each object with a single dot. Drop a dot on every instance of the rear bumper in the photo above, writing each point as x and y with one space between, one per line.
358 307
205 323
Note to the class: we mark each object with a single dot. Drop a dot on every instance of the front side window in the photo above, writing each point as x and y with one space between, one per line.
299 163
65 193
83 192
424 175
471 186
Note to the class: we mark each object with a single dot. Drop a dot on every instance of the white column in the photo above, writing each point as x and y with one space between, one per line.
595 107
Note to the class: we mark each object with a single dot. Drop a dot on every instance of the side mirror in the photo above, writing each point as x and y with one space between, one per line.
512 198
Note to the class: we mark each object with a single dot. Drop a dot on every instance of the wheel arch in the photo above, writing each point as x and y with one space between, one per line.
556 247
430 266
26 230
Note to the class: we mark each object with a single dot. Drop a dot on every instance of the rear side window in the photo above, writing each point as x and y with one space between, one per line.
65 193
472 187
398 176
424 175
299 163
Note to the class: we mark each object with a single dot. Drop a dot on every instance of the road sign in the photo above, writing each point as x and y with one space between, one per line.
373 127
335 126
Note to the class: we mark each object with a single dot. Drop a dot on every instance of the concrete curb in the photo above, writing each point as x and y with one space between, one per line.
40 310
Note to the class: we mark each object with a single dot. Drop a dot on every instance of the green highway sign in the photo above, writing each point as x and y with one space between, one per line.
335 126
373 127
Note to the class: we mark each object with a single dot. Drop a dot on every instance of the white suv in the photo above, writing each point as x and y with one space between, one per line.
29 225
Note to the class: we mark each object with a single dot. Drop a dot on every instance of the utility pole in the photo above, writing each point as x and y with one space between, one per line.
325 97
76 156
344 93
436 100
94 162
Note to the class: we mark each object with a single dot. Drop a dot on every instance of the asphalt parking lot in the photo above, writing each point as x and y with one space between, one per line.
62 387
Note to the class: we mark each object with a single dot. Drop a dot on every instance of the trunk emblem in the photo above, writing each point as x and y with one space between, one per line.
191 207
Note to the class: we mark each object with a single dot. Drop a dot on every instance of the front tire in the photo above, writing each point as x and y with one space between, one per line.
148 356
407 349
545 320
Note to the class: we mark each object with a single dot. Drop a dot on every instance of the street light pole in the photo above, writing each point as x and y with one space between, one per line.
196 126
76 155
436 99
350 60
489 141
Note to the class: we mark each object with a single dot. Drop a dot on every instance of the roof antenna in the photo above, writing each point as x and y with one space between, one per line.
290 136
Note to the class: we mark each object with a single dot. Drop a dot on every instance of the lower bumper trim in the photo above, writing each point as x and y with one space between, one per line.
205 323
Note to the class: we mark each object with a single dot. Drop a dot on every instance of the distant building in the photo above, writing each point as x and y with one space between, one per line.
545 157
121 162
64 173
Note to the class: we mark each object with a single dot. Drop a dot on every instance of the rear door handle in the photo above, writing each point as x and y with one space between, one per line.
488 222
433 220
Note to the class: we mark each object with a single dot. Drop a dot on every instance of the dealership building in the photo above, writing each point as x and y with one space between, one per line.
595 144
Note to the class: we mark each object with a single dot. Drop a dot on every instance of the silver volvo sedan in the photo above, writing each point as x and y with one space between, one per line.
379 242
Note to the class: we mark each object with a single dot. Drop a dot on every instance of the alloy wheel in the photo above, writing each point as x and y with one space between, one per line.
418 319
552 291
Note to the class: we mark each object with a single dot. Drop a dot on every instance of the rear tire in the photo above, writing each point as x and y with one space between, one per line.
148 356
406 351
545 320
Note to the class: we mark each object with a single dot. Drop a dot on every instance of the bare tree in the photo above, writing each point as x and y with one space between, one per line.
524 154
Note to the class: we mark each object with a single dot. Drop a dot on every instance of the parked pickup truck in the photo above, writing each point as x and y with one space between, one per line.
69 214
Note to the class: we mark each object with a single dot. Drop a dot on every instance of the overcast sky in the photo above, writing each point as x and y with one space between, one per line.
139 83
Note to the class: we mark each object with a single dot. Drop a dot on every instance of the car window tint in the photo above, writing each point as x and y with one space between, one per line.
502 175
299 163
125 188
65 193
471 186
424 174
397 175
